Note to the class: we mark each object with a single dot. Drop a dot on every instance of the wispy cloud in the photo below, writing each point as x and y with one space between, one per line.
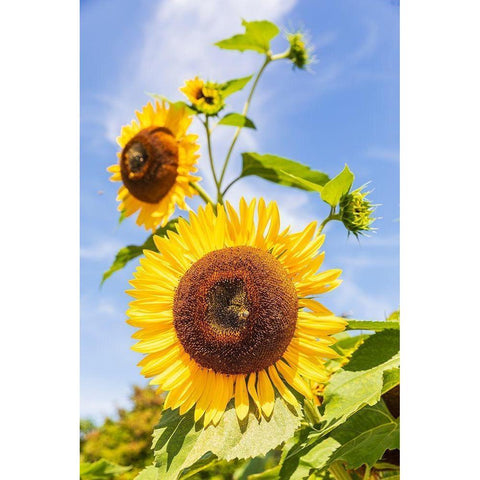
101 250
382 153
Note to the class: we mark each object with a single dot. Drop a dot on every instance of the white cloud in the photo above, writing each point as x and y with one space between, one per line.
178 44
381 153
101 250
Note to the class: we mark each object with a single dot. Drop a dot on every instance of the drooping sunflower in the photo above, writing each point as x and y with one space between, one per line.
226 310
156 164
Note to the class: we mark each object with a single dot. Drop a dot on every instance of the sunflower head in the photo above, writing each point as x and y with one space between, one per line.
206 97
226 310
356 212
156 163
300 52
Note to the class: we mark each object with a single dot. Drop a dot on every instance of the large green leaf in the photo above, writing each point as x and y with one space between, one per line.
180 443
257 37
283 171
375 350
173 439
337 187
128 253
101 470
237 120
361 381
232 439
362 439
234 85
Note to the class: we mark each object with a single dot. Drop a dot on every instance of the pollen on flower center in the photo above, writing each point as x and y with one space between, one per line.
149 163
235 310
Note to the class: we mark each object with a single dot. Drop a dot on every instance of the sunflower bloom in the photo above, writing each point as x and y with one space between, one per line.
226 311
206 97
156 164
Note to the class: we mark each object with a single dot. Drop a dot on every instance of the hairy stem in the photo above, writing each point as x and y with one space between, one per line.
210 157
203 194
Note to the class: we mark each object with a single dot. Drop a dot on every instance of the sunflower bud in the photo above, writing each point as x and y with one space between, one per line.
206 97
356 212
300 52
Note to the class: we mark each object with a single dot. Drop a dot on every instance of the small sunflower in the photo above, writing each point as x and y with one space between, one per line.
156 164
226 310
206 97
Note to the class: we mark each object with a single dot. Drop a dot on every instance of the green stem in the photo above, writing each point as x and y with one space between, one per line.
230 184
268 59
331 216
366 476
339 472
210 156
203 194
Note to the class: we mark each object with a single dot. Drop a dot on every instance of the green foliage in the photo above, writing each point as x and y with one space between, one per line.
234 85
349 390
101 470
126 440
237 120
337 187
283 171
373 326
128 253
362 439
257 37
179 442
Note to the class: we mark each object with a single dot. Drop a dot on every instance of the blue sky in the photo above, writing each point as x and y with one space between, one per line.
345 111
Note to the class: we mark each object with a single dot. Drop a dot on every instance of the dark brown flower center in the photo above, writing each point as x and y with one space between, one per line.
149 163
235 310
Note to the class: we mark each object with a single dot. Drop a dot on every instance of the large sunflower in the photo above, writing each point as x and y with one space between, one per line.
156 164
227 310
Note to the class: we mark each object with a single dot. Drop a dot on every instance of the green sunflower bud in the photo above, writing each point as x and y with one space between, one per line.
300 52
356 212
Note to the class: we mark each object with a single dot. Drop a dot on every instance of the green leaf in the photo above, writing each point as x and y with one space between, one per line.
270 474
373 326
173 439
391 378
375 350
236 120
234 85
128 253
180 443
362 439
283 171
101 470
149 473
350 388
337 187
257 37
232 439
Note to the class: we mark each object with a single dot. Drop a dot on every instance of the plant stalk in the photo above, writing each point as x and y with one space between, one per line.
268 59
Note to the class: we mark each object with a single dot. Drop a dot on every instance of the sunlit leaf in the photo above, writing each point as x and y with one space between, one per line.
128 253
149 473
373 326
101 470
236 120
234 85
338 186
179 443
283 171
350 389
362 439
257 37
